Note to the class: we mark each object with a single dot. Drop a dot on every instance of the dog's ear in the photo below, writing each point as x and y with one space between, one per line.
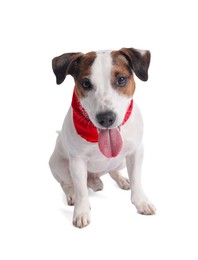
139 61
64 65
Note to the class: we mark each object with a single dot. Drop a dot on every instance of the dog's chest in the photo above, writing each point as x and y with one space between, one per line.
76 146
105 165
98 163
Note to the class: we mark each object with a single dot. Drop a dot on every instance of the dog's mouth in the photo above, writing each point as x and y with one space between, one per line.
110 141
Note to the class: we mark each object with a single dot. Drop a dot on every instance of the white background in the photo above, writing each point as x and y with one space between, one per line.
35 221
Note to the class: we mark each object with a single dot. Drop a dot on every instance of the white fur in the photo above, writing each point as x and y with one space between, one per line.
104 97
142 52
76 162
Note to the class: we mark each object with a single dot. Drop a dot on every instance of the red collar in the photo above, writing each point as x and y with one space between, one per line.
84 127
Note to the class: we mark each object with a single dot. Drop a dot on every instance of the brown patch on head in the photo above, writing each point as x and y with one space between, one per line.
76 64
122 69
83 72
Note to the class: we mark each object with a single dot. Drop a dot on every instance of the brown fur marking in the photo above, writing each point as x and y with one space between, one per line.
83 72
121 68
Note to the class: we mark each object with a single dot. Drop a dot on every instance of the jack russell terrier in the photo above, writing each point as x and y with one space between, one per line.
102 131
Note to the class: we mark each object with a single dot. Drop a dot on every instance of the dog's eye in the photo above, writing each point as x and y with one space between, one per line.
86 84
121 81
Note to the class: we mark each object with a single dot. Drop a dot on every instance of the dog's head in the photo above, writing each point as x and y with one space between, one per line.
104 81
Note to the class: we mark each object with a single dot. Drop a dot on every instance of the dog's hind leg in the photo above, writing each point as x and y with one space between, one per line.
122 182
94 182
59 166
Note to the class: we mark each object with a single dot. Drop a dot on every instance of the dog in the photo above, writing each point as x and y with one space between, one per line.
102 131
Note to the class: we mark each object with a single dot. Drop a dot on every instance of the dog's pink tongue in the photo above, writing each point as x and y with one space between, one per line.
110 142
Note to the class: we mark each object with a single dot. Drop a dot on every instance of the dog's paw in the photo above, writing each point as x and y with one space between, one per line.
81 220
142 203
123 183
97 185
94 183
146 208
81 216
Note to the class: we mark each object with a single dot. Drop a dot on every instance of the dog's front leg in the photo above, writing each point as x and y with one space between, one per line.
78 170
138 197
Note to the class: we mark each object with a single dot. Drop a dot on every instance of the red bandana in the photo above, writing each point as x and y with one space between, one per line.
84 127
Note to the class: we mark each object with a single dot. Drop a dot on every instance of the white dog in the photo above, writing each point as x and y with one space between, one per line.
102 131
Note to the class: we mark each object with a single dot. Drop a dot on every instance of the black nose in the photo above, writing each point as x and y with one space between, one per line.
106 119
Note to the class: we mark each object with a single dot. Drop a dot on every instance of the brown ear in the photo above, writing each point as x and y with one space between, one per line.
139 61
64 65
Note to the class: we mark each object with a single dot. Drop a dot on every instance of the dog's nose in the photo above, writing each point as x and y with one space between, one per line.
106 119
